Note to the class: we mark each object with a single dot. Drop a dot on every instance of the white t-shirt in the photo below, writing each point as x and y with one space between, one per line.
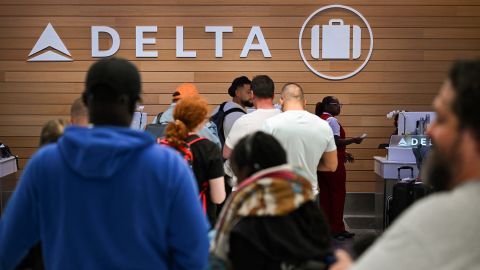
248 124
305 137
439 232
231 117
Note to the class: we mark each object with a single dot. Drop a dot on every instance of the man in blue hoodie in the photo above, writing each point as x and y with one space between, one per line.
107 197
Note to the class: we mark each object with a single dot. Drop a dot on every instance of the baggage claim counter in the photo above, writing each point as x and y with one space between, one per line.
405 151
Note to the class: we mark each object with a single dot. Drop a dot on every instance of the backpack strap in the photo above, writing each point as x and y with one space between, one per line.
203 196
236 109
159 115
196 140
222 106
220 127
162 141
187 154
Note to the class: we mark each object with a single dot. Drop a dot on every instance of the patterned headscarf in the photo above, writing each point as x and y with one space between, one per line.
275 191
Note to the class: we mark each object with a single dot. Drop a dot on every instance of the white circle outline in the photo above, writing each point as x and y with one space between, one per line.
335 77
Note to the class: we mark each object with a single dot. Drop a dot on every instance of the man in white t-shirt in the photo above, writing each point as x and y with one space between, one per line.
263 92
308 140
241 92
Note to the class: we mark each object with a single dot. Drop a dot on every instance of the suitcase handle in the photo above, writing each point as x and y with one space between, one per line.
335 22
405 168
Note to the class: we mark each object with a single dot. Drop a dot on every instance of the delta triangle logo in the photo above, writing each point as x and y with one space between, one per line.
50 40
403 142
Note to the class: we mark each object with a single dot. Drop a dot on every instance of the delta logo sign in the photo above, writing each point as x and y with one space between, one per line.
323 38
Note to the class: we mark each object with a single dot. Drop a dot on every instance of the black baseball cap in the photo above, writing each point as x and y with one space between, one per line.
112 77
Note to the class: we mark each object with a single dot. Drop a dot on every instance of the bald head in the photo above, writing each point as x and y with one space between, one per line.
292 95
79 113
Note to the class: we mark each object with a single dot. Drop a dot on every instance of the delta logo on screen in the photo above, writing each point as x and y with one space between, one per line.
335 43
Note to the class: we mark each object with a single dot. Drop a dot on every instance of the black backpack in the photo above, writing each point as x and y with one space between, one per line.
219 117
157 129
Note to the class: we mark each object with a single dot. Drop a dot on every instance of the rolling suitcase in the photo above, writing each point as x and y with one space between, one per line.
404 194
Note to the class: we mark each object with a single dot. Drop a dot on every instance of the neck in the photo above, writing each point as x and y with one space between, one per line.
119 120
238 101
197 128
293 106
468 174
264 103
470 171
110 114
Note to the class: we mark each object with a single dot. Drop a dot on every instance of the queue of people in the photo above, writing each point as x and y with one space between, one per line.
109 197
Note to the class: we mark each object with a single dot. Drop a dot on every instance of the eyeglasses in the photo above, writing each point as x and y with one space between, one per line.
337 104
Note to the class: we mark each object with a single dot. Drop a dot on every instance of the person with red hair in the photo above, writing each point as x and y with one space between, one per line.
190 115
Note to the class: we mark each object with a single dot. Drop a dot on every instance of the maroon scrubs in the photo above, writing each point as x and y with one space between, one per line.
332 188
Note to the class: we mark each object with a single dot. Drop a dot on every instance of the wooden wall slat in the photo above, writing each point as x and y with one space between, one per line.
240 66
278 55
240 11
237 44
346 120
373 132
353 109
221 87
180 77
360 186
242 32
366 99
397 22
251 2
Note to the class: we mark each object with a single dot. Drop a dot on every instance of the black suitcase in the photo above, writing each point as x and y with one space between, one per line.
404 194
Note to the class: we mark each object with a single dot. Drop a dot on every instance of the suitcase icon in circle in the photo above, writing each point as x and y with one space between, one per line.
336 41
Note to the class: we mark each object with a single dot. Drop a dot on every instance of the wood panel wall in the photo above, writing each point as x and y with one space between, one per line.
415 43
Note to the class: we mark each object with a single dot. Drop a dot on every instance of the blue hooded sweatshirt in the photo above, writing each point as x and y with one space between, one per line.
106 198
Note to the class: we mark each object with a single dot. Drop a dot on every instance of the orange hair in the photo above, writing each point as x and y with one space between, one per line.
188 114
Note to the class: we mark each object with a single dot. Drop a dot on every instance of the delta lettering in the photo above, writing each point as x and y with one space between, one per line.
140 41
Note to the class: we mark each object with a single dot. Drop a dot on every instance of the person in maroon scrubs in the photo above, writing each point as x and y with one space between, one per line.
332 184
